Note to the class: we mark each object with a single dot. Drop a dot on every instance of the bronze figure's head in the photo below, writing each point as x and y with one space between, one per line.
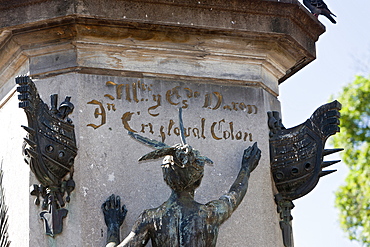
182 167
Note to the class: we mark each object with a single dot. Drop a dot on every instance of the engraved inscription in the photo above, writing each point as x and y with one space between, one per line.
123 97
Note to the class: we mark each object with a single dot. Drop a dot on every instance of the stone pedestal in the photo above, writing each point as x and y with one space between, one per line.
129 65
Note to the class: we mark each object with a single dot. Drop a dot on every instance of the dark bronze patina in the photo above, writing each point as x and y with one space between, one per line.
180 221
296 156
49 149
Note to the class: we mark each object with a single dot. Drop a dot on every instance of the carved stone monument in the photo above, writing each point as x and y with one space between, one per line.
129 66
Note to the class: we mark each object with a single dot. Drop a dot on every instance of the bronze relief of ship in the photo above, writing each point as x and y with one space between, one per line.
296 158
297 153
50 150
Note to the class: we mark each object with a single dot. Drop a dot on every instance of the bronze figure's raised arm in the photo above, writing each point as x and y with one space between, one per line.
180 221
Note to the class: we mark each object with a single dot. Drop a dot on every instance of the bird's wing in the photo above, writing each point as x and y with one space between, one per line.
310 4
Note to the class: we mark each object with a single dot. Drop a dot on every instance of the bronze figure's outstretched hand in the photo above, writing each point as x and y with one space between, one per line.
251 157
114 215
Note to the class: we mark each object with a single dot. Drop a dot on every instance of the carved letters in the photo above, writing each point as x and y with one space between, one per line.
126 95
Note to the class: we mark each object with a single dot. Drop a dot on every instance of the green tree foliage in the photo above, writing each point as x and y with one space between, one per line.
353 198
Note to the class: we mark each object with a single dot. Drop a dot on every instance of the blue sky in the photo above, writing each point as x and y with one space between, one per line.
343 51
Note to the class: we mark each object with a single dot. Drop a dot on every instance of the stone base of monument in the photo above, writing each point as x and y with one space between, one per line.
107 160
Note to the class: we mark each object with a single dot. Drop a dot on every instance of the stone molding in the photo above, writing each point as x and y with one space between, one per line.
248 29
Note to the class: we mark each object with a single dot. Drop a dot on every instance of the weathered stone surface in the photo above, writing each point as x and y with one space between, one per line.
107 159
287 25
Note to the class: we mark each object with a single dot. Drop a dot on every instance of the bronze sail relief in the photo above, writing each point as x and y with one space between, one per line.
50 150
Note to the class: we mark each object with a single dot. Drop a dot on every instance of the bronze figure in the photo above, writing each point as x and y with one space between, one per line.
180 221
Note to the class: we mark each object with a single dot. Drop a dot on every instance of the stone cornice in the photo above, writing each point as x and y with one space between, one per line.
285 26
